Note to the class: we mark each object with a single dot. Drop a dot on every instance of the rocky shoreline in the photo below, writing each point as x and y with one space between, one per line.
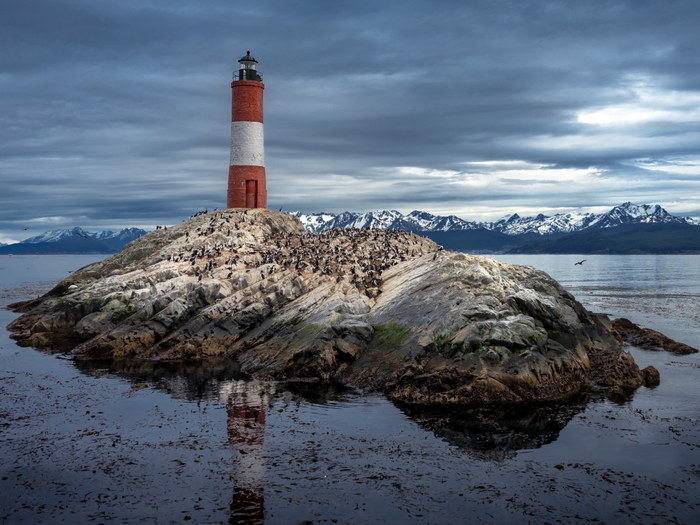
381 310
631 334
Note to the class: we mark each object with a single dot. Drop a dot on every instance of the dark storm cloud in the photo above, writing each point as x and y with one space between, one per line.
117 113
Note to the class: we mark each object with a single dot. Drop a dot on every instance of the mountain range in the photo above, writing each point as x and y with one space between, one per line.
418 221
627 228
521 234
75 240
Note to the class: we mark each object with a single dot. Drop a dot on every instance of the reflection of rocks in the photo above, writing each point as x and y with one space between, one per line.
214 379
383 310
499 432
316 393
187 380
649 339
492 432
246 405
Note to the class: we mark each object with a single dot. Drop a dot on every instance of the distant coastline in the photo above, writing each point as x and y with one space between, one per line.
625 229
74 241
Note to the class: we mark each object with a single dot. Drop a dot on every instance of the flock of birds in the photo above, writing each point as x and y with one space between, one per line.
357 256
360 255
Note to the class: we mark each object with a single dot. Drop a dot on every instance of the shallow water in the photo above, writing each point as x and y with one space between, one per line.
135 442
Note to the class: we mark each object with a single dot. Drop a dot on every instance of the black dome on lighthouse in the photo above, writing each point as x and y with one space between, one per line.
247 58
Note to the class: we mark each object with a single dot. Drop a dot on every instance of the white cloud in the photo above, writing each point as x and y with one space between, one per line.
47 221
4 239
411 171
686 166
646 103
636 140
511 172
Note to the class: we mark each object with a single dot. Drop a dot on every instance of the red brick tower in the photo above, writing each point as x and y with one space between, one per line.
246 173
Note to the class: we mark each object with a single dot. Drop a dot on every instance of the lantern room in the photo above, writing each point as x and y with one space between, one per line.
247 69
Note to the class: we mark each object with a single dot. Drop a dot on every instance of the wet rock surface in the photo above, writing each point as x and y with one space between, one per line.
633 334
383 310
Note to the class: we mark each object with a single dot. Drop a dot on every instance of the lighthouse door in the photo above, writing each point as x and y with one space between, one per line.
251 194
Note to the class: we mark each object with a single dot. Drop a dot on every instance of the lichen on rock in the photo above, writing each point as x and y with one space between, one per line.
383 310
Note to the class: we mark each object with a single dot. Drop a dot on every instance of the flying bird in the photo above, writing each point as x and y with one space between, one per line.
580 263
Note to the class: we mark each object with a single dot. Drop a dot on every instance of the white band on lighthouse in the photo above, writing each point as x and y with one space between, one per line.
247 144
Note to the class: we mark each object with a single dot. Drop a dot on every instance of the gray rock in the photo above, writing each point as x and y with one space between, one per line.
382 310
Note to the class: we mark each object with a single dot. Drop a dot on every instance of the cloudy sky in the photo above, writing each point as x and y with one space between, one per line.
117 113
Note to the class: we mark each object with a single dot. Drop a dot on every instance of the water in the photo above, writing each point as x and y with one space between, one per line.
657 291
135 442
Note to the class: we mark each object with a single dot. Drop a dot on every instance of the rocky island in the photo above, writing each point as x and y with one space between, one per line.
382 310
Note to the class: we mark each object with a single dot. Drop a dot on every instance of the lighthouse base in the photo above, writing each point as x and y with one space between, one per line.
246 187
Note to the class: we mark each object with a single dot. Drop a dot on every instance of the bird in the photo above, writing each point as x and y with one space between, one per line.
580 263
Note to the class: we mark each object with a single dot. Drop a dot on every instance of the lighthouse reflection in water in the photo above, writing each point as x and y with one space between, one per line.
329 450
246 407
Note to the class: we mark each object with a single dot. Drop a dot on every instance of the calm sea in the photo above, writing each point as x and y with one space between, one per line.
658 291
138 442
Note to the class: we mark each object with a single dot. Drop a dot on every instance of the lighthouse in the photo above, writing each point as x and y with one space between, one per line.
246 173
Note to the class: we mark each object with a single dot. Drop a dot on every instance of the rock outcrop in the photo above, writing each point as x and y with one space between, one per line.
382 310
635 335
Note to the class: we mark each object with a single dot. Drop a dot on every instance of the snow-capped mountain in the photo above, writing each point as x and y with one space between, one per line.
542 224
117 239
383 220
430 222
632 213
57 235
124 236
626 213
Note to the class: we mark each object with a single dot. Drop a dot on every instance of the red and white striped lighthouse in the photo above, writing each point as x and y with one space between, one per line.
246 173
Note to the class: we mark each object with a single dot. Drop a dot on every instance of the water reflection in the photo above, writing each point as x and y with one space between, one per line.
189 381
485 434
246 406
503 430
219 380
498 433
